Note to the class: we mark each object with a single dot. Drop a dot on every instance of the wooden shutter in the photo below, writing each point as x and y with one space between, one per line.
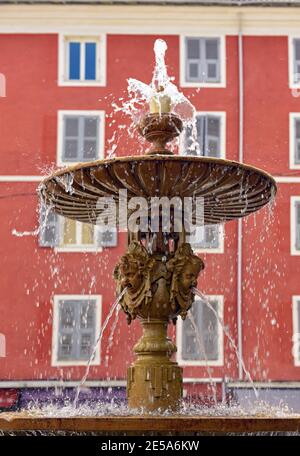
211 63
49 228
297 141
212 147
193 60
87 329
297 209
71 146
296 66
67 330
89 140
80 138
208 325
77 329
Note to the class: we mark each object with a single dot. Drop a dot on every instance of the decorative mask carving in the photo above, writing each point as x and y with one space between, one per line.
157 288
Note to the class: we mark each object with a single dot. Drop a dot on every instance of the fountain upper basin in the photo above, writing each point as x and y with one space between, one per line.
230 190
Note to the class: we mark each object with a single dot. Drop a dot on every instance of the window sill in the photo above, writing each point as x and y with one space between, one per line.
212 85
79 249
81 83
217 363
70 363
213 251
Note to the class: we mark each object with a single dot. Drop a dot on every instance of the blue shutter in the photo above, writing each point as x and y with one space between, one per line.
193 60
90 61
74 61
205 237
202 60
67 330
208 325
80 138
87 329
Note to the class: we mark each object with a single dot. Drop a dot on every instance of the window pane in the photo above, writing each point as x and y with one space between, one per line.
90 149
87 233
86 345
65 346
87 315
67 315
194 71
212 70
193 48
71 126
212 49
74 61
90 127
71 149
90 61
69 232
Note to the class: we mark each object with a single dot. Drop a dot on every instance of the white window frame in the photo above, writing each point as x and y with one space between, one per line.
293 116
220 360
60 133
69 248
55 329
220 249
100 39
294 199
296 328
182 51
292 84
222 115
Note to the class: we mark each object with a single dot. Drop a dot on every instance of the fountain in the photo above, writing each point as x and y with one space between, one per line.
159 269
156 278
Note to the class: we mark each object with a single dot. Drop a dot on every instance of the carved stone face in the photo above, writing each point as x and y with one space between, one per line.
188 277
132 279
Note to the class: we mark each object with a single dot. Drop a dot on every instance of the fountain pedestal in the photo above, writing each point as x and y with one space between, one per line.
154 381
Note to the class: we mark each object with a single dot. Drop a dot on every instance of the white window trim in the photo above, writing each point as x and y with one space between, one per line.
77 247
183 82
293 116
294 199
292 84
55 329
220 249
100 38
296 328
220 360
60 133
222 115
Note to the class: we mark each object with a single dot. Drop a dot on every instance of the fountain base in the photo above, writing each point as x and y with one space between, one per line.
154 382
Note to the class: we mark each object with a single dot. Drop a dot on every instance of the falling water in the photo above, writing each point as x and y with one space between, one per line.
200 342
83 380
227 333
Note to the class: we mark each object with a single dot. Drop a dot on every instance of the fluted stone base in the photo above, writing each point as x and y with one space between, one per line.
154 381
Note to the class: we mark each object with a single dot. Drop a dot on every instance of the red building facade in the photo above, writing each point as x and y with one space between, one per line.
54 108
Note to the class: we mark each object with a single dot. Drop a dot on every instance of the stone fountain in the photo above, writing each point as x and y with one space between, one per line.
159 271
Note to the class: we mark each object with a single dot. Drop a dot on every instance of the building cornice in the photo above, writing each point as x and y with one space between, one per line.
148 19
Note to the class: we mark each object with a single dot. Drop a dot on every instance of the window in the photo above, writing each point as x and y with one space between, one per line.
208 238
76 325
202 61
295 225
68 235
295 140
80 136
209 140
204 346
82 60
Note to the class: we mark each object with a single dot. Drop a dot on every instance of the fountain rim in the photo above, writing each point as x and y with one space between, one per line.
162 157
